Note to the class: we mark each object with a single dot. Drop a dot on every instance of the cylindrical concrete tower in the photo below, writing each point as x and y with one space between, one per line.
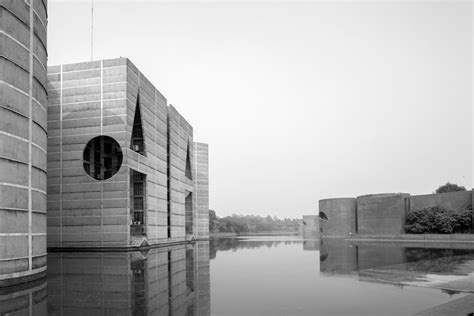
23 59
338 216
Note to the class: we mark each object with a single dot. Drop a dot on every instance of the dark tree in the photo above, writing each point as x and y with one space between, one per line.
450 187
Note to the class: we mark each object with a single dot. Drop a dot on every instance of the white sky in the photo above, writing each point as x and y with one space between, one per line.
299 101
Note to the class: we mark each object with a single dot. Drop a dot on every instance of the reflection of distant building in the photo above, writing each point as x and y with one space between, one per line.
311 245
165 281
25 299
337 256
379 255
341 256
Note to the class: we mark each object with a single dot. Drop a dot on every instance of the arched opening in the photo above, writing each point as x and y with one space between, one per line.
102 157
323 216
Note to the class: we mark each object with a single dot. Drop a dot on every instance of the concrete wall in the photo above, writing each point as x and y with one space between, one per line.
310 225
201 170
126 283
451 200
180 142
97 98
23 59
341 216
382 214
154 113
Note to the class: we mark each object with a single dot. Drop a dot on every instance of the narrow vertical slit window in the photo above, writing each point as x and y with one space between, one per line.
137 142
188 173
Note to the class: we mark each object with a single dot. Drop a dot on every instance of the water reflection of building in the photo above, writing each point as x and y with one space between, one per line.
164 281
311 245
24 299
337 256
341 256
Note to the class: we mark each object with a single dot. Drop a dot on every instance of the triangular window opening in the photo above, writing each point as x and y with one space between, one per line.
188 172
137 143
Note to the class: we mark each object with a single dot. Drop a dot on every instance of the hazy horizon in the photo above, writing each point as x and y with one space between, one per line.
299 101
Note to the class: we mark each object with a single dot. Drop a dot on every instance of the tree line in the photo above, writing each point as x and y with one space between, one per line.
250 224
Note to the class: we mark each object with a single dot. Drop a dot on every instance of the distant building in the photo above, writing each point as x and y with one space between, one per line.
310 226
123 170
23 58
381 214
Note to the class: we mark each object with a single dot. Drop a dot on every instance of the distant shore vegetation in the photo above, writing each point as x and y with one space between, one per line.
250 224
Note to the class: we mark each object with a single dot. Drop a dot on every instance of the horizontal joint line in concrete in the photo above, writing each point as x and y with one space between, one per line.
31 23
39 18
100 199
81 70
16 258
88 85
21 274
22 115
23 139
22 187
87 118
29 71
86 134
84 102
22 162
27 48
20 234
25 93
21 210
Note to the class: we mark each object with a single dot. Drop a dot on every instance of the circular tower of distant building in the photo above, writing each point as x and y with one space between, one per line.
23 138
338 217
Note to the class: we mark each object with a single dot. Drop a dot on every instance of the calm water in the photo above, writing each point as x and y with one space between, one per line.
243 276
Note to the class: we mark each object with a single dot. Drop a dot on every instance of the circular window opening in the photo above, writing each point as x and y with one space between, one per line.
102 157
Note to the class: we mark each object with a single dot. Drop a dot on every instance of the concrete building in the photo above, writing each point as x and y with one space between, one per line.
201 160
338 217
121 162
310 226
382 214
23 59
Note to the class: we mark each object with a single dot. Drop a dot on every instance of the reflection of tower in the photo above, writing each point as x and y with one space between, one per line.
379 255
313 245
337 256
163 281
26 299
203 295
